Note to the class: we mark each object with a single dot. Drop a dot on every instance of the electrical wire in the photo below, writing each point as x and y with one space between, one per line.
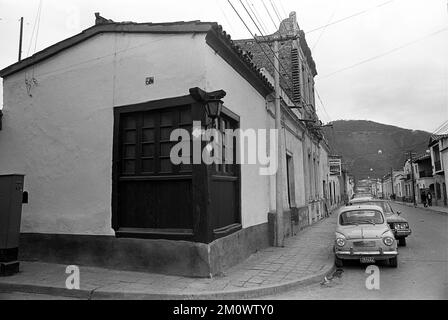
441 128
256 17
224 14
251 33
383 54
37 18
283 8
324 29
323 105
38 26
280 64
261 20
275 11
269 13
350 17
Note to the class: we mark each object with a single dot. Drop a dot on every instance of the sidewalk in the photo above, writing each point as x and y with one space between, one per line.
436 209
306 258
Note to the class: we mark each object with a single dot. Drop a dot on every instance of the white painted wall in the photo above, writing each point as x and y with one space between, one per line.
61 137
245 101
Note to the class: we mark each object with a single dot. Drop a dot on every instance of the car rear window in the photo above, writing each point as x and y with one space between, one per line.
383 205
361 217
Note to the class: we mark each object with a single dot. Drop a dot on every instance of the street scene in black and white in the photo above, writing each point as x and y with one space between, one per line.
224 150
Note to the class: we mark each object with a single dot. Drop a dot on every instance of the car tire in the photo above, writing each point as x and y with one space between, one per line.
402 242
338 262
393 262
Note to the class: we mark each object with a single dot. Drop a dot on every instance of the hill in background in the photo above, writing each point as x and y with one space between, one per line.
366 145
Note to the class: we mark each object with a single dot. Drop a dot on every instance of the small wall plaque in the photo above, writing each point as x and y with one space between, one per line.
149 81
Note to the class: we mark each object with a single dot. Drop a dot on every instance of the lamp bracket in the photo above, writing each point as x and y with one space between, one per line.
202 96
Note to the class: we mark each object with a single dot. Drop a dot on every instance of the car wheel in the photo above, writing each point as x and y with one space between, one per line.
393 262
402 242
338 262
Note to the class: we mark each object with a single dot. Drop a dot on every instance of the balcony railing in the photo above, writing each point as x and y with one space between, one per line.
437 166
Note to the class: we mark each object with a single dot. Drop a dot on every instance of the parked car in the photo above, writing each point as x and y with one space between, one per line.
398 225
362 196
362 233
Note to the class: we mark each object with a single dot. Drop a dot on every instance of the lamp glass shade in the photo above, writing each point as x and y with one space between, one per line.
214 108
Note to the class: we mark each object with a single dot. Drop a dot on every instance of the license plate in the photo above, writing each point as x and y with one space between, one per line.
367 260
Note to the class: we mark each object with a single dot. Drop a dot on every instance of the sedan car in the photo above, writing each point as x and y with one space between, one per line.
398 225
362 234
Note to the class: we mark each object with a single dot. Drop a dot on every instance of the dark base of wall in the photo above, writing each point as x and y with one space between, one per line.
293 221
9 268
7 255
229 251
145 255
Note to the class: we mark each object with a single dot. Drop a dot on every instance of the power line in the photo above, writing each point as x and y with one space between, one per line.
283 8
280 63
256 17
275 11
224 14
269 13
384 53
270 61
442 127
351 16
262 24
325 28
252 34
36 19
323 105
38 26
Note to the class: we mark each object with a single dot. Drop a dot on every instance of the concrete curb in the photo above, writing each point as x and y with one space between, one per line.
426 209
97 294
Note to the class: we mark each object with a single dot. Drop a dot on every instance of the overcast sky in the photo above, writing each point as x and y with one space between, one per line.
387 63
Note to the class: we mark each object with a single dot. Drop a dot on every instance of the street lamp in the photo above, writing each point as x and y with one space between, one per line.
213 108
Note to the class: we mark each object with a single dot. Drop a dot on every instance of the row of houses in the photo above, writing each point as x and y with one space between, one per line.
88 122
426 173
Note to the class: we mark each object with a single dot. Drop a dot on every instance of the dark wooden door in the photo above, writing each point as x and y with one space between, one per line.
225 185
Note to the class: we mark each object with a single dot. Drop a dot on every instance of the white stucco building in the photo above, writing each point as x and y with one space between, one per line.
438 145
88 122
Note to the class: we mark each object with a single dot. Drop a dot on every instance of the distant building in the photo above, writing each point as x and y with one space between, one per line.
392 185
424 178
438 145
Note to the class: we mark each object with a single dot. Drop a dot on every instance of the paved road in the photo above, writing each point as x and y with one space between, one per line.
30 296
422 272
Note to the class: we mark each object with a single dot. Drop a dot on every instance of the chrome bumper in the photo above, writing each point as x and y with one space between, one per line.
401 233
378 255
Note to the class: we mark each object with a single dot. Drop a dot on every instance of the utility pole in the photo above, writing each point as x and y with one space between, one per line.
279 236
21 38
279 180
413 178
392 181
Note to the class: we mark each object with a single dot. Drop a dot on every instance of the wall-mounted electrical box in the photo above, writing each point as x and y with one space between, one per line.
11 198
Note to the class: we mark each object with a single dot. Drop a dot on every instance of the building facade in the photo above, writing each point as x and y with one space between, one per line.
438 145
392 185
91 128
424 178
